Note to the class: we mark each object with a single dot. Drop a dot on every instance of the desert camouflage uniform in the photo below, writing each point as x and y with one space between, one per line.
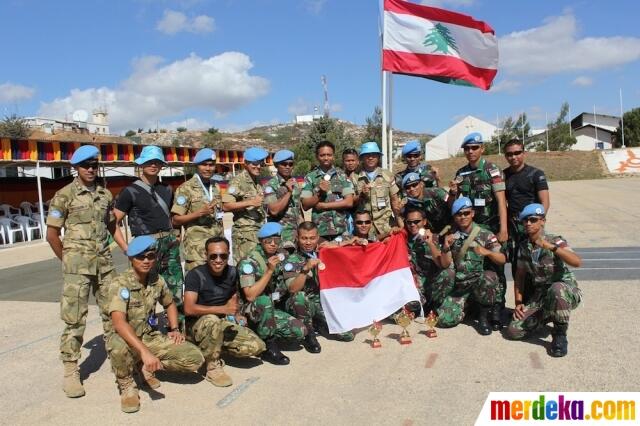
555 290
435 283
274 190
191 197
86 258
214 335
435 207
378 202
310 293
246 222
472 278
126 294
426 173
330 223
266 313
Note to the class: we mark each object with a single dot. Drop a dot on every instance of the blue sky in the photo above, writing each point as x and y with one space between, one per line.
234 64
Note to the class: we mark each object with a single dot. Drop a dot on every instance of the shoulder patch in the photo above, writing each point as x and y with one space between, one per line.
268 190
124 293
56 214
288 267
232 190
247 269
495 172
181 200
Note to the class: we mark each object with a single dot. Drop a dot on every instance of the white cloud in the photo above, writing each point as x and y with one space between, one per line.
449 3
10 92
189 123
582 81
506 86
152 92
299 107
173 22
555 47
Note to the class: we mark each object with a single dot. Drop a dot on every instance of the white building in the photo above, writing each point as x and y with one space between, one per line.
308 118
99 123
594 131
447 144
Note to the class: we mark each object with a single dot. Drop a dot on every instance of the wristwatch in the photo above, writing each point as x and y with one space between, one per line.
173 329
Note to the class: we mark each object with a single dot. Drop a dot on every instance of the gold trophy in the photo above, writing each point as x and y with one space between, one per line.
431 320
374 330
403 319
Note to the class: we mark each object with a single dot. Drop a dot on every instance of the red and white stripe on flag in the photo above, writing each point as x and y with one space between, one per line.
362 284
438 44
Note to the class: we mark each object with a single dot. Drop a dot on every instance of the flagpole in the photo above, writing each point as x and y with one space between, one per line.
390 123
595 121
622 119
384 116
546 119
498 130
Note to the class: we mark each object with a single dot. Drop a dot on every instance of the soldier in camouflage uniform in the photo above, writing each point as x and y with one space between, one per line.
245 199
376 191
264 292
351 163
434 202
83 209
198 207
555 292
132 336
301 278
412 155
282 198
329 193
469 247
214 321
482 182
435 283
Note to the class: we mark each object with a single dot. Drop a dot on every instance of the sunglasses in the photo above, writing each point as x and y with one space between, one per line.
150 255
363 222
153 163
412 155
412 185
471 147
216 256
286 163
272 240
513 154
92 165
531 219
255 163
464 214
414 222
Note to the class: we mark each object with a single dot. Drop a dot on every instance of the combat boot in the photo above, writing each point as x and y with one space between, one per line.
273 354
496 313
71 383
149 378
129 398
216 375
310 342
559 341
483 321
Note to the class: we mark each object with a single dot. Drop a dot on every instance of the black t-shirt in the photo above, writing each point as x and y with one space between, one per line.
212 291
146 216
523 187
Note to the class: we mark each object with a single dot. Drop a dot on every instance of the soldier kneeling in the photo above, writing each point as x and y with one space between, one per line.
132 336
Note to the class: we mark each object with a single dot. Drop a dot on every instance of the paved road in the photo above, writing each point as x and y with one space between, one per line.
42 281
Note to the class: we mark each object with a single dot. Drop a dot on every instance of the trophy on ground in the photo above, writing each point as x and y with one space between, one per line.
403 319
431 320
375 330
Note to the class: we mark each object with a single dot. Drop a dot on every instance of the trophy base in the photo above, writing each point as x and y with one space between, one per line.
405 340
432 333
376 344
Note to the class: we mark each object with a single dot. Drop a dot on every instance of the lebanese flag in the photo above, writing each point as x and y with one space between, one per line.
362 284
438 44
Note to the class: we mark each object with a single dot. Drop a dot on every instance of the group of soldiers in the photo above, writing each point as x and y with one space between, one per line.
458 242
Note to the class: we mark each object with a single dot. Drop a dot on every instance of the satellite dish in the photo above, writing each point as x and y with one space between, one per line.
80 115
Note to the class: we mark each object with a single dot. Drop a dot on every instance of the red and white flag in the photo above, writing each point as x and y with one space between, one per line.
362 284
438 44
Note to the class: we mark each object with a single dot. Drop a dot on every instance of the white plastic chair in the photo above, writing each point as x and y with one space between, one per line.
11 228
9 211
27 208
29 226
4 240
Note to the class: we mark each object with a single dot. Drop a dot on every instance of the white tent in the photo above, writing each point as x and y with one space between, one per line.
447 143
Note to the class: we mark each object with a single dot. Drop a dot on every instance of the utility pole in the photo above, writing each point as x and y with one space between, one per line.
622 120
323 80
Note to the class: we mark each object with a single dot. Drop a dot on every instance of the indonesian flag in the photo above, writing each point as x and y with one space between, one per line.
438 44
362 284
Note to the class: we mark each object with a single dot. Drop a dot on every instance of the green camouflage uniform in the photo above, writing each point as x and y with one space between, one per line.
435 283
330 223
312 311
353 178
435 207
472 278
246 222
214 335
126 294
555 292
378 202
274 190
86 258
480 185
267 312
169 267
191 197
426 173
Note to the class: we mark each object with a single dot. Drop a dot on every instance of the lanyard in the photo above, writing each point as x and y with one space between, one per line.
209 192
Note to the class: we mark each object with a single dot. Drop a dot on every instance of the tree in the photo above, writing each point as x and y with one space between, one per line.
631 129
213 131
130 133
211 138
509 129
323 129
559 137
14 127
181 129
373 131
440 38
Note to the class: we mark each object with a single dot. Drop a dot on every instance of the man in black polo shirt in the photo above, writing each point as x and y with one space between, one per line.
525 185
211 304
147 203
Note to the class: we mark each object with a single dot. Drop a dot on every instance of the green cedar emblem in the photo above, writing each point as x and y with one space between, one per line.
440 38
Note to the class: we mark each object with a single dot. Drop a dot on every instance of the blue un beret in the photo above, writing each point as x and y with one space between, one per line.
412 147
270 229
150 152
534 209
255 154
410 178
140 245
283 155
370 148
459 204
205 154
474 138
84 153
